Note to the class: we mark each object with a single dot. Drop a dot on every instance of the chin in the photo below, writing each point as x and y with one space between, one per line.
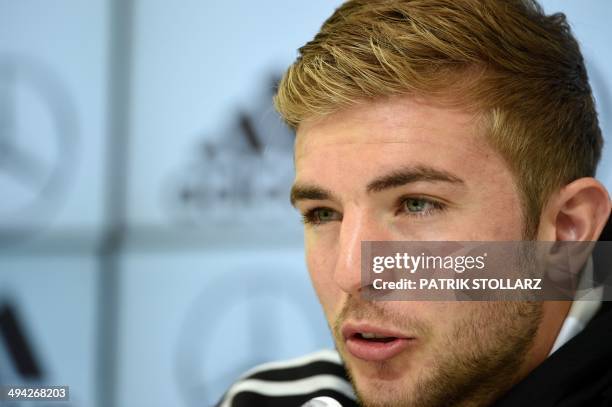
380 383
376 392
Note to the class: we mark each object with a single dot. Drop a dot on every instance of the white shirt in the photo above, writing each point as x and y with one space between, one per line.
581 311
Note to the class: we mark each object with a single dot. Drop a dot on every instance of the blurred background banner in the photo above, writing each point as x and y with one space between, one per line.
148 252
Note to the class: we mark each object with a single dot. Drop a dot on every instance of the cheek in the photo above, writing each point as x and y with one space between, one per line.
443 319
320 262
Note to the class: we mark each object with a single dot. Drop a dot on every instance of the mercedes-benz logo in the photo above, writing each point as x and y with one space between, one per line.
37 144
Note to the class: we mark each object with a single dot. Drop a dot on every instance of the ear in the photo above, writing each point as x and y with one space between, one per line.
577 212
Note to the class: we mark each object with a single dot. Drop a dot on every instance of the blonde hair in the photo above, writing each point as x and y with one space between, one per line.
521 68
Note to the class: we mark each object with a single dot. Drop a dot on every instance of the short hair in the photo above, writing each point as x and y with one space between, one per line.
520 68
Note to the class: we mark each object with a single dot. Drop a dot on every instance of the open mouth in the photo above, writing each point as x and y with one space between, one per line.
374 344
374 337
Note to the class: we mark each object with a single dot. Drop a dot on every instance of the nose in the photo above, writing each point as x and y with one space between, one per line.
357 226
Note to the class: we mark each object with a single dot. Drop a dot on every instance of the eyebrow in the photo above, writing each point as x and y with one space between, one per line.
409 175
309 192
394 179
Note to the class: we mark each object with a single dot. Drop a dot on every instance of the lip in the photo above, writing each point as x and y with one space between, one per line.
370 350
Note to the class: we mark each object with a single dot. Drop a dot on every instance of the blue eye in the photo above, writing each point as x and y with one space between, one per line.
318 216
415 205
419 206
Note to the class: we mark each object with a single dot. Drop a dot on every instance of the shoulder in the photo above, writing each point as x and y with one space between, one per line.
292 382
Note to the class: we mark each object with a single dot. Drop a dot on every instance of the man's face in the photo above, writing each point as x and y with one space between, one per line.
402 169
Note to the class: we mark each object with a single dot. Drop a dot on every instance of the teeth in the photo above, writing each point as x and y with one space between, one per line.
368 335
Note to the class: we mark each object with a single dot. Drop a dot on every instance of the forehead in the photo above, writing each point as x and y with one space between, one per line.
385 133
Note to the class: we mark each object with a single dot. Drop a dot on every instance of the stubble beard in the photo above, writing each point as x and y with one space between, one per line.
477 361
